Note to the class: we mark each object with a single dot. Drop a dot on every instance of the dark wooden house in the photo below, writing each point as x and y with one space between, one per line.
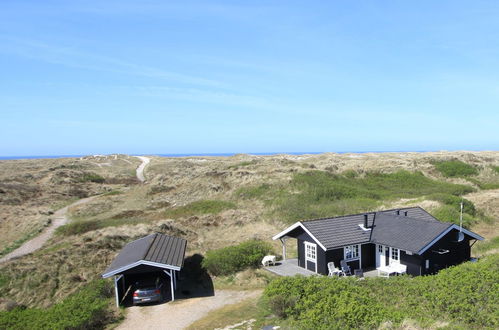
408 236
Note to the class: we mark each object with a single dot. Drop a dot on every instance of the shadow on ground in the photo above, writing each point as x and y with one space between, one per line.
194 280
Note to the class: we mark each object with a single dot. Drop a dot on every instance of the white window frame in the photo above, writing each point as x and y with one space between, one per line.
392 252
355 252
311 251
311 254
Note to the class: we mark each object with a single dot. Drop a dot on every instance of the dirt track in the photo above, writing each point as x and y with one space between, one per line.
60 218
140 169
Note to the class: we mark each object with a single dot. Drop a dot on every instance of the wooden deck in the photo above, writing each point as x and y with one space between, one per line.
288 267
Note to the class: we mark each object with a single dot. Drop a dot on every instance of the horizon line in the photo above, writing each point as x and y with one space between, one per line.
228 154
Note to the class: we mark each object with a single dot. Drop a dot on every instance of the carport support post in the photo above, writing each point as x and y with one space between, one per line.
170 273
116 279
283 242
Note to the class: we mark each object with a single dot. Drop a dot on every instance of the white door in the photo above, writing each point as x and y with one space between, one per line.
311 256
380 255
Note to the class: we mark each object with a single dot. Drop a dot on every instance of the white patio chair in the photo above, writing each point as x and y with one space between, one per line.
267 260
333 270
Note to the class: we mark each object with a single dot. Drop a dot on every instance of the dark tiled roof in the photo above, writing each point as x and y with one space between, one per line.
406 233
339 231
157 248
345 230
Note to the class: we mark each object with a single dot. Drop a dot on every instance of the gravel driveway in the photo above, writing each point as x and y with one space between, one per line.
182 313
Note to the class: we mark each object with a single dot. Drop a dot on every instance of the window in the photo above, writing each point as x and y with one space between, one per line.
427 264
310 251
351 251
380 248
395 254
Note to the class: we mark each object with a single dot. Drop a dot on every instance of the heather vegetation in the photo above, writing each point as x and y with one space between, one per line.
463 296
455 168
316 194
88 308
200 207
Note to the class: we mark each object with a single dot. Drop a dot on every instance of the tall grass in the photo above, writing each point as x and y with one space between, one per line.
315 194
199 208
455 168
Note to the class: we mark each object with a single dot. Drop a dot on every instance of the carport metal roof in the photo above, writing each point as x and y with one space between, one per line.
156 250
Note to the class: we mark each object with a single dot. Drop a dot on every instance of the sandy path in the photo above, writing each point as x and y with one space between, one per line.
59 218
140 169
180 314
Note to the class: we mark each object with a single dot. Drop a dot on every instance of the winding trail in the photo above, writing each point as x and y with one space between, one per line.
60 218
140 169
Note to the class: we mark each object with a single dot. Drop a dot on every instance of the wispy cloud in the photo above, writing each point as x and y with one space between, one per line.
75 58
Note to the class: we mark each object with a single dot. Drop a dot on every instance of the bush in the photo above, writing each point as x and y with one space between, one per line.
455 202
455 168
451 214
82 310
92 177
78 227
464 295
235 258
200 207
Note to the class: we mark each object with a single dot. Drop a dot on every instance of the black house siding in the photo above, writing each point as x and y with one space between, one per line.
303 237
458 252
413 262
368 253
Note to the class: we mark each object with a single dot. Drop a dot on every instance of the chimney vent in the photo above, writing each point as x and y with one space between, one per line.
405 213
398 212
365 221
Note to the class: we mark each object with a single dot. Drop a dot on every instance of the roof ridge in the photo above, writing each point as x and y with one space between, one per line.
150 245
362 213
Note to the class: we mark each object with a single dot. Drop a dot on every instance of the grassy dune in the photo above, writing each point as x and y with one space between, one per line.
214 202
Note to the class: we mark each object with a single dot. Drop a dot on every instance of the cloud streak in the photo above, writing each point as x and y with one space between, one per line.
74 58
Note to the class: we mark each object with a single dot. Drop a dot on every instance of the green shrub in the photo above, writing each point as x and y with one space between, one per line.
200 207
496 169
78 227
451 214
4 279
253 192
455 201
235 258
92 177
455 168
465 296
82 310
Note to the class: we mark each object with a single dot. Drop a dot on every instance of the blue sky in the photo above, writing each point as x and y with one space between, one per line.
143 77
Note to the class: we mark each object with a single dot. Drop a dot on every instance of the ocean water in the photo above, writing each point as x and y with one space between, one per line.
206 154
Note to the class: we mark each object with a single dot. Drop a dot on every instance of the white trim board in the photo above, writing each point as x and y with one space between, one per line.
445 232
138 263
294 226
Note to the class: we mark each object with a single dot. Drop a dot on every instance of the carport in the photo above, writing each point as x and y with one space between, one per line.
151 254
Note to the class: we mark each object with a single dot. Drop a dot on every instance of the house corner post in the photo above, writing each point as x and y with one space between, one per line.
283 242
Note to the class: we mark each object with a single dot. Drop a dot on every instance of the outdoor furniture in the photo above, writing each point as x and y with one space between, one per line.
358 273
345 269
267 260
386 271
333 270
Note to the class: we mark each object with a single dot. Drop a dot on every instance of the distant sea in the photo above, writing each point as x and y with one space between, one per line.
206 154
